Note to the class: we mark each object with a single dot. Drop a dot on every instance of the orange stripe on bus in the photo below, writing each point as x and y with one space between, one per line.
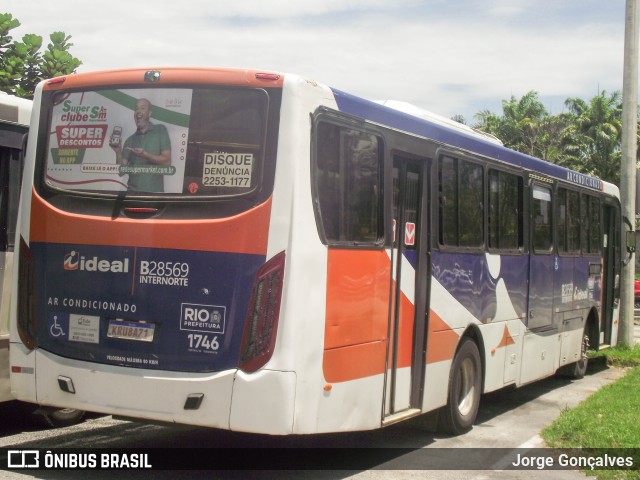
358 299
354 361
366 359
357 313
357 306
243 233
406 328
442 341
169 75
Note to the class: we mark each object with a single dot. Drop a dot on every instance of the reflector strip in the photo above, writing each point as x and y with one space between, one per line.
267 76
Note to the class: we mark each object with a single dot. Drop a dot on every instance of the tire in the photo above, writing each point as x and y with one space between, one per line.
579 369
63 417
465 385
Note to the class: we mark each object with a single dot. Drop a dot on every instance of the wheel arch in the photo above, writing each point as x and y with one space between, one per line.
593 328
473 332
464 387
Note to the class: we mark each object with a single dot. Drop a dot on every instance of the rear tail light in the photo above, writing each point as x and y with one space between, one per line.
261 326
26 297
267 76
56 80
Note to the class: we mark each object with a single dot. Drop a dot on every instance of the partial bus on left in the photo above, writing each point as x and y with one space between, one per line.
15 115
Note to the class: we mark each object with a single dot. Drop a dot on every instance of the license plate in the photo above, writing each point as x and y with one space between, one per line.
142 332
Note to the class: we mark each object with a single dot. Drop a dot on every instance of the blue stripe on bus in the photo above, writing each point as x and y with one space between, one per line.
378 113
565 285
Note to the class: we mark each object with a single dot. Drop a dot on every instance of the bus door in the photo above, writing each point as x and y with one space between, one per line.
611 270
409 267
542 263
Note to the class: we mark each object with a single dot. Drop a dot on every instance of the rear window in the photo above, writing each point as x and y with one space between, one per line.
161 141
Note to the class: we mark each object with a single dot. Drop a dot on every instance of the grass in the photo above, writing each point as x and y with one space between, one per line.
620 356
608 419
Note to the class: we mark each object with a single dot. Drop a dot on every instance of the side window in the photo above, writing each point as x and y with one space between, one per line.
542 219
568 221
461 188
13 198
595 225
590 224
505 211
448 180
10 183
12 145
347 181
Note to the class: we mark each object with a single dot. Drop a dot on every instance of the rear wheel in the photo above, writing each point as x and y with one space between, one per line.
465 384
579 369
63 417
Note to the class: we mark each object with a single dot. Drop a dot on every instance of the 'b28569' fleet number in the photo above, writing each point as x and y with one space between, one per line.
164 269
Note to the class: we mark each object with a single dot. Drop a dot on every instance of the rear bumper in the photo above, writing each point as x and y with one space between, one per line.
232 400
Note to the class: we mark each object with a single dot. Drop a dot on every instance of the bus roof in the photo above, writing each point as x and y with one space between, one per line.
439 119
397 115
406 120
15 109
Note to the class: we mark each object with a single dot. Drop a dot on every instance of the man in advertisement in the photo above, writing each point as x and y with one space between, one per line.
148 147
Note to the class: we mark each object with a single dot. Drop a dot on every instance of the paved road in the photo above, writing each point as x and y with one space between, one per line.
508 419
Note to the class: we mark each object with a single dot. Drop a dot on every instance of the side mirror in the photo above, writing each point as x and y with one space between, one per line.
631 242
630 238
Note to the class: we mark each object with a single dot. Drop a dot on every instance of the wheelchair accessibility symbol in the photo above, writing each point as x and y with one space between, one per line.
56 329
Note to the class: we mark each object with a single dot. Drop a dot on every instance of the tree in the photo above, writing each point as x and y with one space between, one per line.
525 125
591 141
586 138
22 65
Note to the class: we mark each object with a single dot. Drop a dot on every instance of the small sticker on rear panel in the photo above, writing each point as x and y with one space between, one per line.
84 328
227 170
202 318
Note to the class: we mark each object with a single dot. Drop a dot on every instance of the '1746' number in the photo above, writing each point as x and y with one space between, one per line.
197 341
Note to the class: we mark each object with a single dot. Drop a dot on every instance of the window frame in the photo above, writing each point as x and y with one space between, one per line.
263 175
521 209
13 145
330 117
552 219
438 209
587 233
564 248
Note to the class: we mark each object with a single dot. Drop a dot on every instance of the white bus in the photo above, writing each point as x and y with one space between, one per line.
258 252
15 115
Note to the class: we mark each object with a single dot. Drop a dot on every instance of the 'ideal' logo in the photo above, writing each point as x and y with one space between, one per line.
75 261
71 261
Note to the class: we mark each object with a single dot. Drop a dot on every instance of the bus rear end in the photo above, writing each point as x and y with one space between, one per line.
143 243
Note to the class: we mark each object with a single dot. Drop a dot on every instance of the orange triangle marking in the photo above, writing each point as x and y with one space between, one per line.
507 339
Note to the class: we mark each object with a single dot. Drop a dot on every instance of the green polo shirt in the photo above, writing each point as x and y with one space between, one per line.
153 141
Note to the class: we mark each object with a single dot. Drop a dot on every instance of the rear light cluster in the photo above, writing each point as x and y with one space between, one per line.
261 326
267 76
26 297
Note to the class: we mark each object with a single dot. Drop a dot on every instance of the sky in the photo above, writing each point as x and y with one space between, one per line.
452 57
